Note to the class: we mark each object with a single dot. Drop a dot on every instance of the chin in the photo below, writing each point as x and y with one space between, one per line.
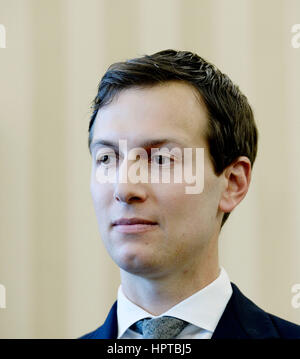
135 264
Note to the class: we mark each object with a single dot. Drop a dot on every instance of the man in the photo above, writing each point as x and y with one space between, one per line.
164 238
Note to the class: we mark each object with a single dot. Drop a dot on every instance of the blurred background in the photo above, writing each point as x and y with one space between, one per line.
59 280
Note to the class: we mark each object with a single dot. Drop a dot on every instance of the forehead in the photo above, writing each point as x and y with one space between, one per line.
172 110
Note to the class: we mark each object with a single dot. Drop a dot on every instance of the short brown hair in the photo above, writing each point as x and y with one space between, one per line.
231 128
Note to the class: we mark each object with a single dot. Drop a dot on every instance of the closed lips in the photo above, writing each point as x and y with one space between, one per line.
131 221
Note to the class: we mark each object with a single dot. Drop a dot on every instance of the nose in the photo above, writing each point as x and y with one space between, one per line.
129 192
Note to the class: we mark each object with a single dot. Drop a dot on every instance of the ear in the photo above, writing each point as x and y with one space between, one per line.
237 180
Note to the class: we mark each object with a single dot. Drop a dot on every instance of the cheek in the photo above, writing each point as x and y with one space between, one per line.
101 195
176 207
188 212
95 192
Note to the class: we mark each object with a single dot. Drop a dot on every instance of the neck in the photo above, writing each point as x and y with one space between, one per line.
157 295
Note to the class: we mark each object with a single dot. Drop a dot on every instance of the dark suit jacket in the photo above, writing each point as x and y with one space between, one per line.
242 319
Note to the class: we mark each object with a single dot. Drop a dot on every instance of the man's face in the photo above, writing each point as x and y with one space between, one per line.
186 223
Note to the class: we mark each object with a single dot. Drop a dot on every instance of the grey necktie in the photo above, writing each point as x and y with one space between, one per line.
159 328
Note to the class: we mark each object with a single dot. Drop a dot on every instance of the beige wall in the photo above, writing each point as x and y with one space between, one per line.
59 281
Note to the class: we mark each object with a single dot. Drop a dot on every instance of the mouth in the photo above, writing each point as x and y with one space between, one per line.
134 225
135 228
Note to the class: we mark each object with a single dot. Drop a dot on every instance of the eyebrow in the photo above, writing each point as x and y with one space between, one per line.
146 144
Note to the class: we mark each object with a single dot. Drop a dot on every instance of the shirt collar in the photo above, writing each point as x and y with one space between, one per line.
202 309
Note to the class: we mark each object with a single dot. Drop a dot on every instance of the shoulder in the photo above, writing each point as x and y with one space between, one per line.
91 335
286 329
259 323
108 330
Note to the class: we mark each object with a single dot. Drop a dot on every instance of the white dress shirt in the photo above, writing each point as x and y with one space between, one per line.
202 310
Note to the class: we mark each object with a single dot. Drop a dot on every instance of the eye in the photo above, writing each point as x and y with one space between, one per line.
162 159
105 159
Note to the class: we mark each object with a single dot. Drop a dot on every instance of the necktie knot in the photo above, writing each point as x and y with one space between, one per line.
159 328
